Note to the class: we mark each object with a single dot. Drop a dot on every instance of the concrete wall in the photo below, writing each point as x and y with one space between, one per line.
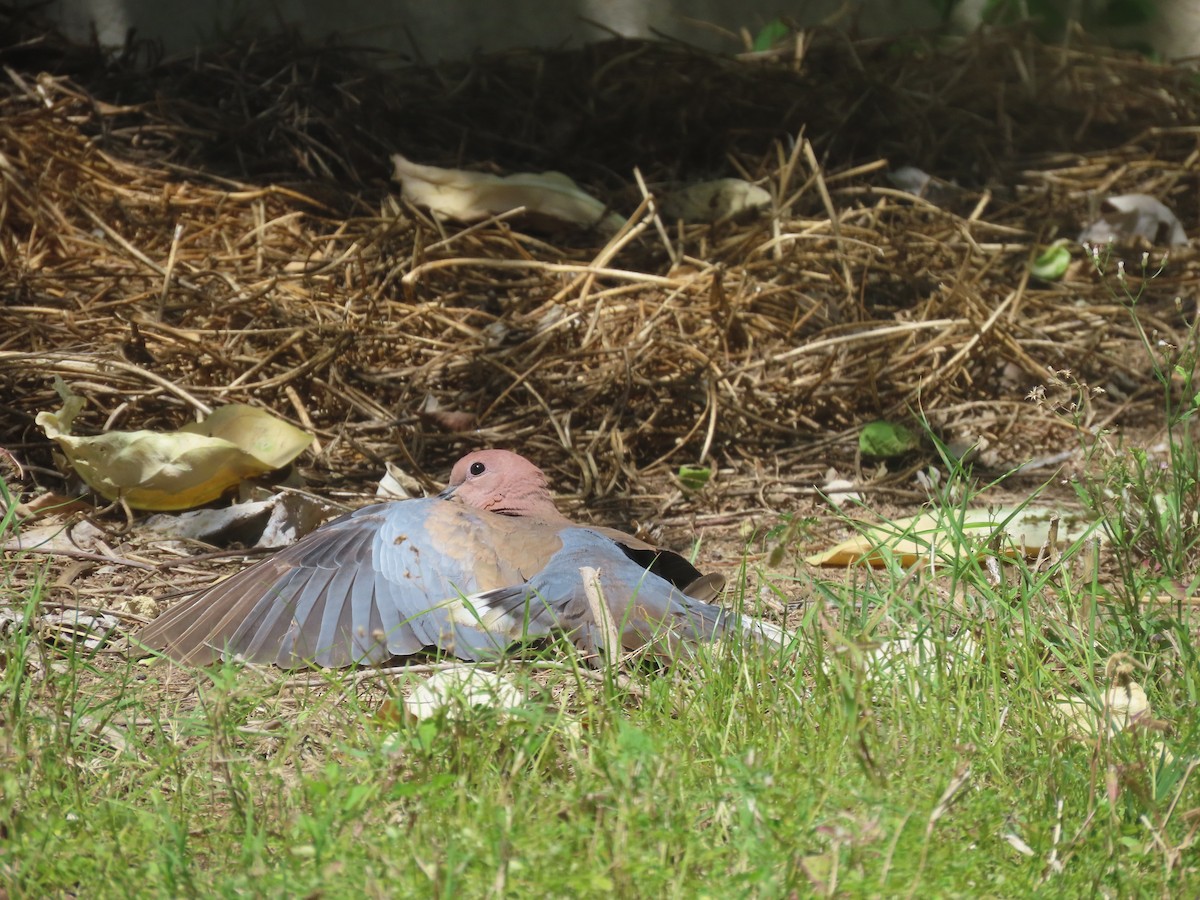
448 29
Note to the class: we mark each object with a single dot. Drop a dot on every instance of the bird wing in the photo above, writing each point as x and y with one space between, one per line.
666 563
396 578
387 580
645 607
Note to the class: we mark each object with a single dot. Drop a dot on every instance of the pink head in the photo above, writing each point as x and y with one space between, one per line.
502 482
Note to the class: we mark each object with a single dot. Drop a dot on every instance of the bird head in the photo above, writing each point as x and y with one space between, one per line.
501 481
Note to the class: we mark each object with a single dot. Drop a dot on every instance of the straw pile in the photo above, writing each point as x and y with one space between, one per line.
184 233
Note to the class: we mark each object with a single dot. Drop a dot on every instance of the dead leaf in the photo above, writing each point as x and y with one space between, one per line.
712 201
459 690
178 469
839 491
451 420
91 629
49 503
1017 843
909 540
1127 218
390 713
472 196
1123 705
57 536
271 441
278 521
396 484
919 183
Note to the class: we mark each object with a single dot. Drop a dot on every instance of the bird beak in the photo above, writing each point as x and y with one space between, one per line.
448 492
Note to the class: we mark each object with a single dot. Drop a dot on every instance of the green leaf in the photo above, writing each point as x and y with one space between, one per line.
887 439
694 477
770 35
1052 264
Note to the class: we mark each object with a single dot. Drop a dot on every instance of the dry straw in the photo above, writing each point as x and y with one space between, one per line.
220 229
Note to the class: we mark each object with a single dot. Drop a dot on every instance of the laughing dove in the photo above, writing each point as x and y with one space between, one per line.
485 564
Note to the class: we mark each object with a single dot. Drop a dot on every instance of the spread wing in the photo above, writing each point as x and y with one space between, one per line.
643 606
397 578
387 580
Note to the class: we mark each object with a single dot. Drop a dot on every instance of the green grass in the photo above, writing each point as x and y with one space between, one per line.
739 774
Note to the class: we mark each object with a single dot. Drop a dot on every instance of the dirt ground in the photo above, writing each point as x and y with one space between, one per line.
177 234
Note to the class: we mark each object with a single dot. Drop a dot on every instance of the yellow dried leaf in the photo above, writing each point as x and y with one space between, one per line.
907 540
471 196
174 470
913 539
712 201
1124 704
271 441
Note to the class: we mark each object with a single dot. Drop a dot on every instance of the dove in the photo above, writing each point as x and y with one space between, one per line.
488 563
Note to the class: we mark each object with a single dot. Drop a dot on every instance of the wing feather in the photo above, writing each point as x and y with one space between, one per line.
392 579
381 577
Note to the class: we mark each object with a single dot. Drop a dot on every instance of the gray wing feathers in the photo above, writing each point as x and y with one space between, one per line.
393 579
644 607
349 592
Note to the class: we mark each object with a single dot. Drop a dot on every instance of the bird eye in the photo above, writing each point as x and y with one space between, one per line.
477 468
